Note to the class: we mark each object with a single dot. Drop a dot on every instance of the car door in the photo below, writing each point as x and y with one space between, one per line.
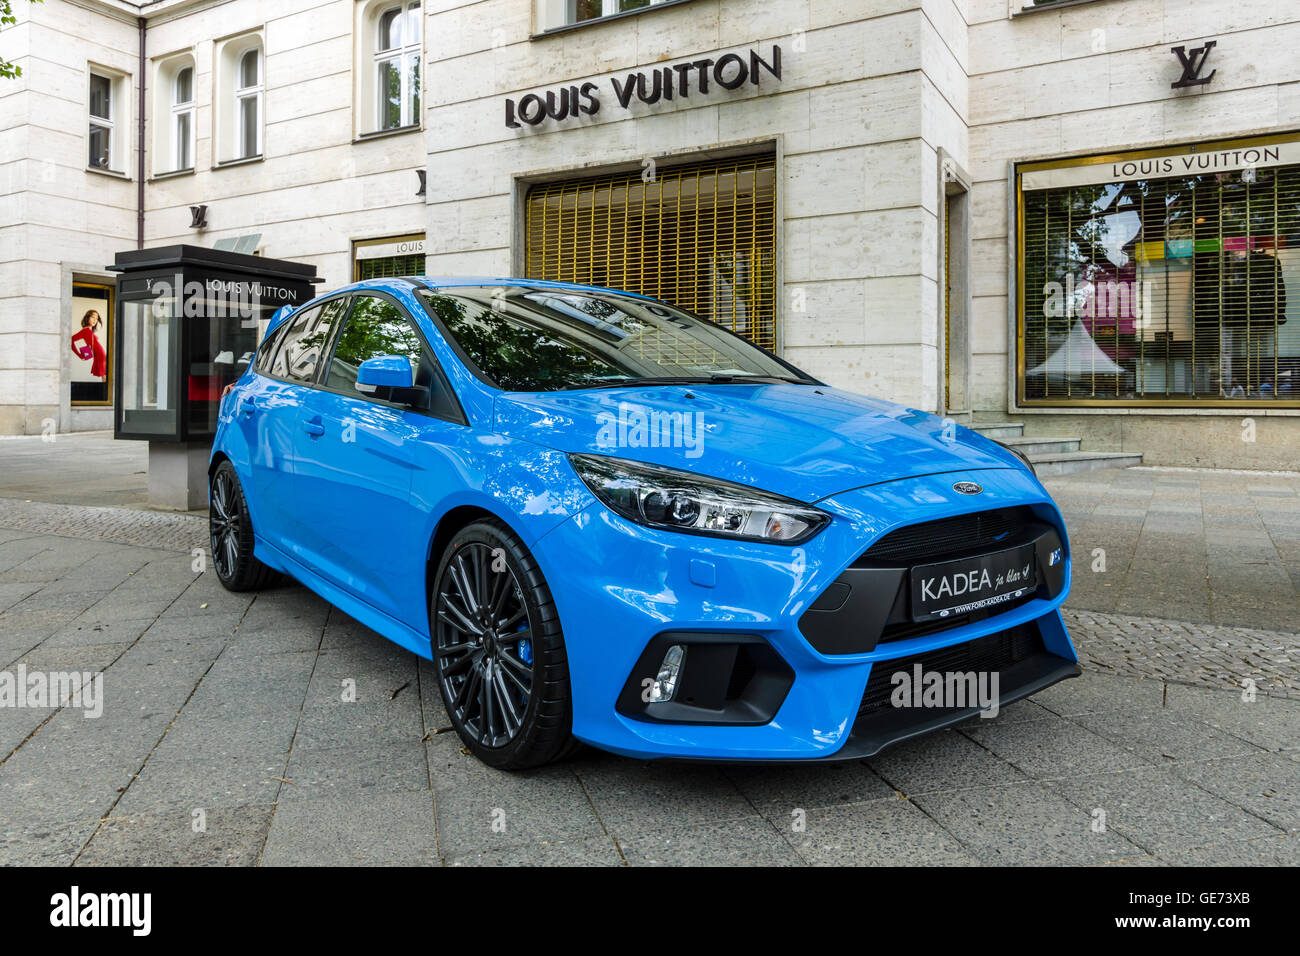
354 468
268 415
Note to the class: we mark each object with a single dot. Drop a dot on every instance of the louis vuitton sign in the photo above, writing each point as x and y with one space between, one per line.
699 77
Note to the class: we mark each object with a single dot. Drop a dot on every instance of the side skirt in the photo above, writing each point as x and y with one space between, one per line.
371 617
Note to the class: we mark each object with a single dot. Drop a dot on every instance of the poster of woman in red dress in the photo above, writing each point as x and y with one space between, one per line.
87 347
89 372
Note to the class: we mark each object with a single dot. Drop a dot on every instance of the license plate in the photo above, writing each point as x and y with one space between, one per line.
970 584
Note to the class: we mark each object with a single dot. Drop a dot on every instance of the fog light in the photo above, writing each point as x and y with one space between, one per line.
665 683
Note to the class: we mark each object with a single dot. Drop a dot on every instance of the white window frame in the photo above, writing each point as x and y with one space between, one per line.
107 123
243 94
228 92
609 8
405 54
182 148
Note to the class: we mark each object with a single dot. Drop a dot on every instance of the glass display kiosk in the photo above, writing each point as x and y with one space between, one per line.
189 320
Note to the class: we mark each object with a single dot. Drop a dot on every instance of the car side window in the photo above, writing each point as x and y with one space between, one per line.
378 326
305 342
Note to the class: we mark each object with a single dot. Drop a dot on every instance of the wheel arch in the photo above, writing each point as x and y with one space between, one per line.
217 458
448 525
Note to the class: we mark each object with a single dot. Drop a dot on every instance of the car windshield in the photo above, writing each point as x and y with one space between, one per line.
528 339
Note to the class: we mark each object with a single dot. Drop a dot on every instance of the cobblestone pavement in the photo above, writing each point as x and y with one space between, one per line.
172 532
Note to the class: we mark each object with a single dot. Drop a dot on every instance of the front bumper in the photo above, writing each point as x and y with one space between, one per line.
619 587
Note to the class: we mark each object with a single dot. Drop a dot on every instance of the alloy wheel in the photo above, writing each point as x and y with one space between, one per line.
484 644
224 524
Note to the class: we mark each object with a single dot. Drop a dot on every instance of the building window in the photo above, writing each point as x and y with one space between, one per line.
559 13
248 99
1162 277
174 127
103 122
1025 6
580 10
241 85
702 237
183 118
397 45
388 258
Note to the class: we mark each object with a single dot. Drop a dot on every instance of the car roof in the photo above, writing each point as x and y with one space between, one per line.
404 283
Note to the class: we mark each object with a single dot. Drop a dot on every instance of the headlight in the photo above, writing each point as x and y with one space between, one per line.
1023 457
680 501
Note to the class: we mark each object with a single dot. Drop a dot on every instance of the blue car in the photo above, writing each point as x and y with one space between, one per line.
606 520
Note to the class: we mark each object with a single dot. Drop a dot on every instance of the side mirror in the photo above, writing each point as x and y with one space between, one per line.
384 371
390 378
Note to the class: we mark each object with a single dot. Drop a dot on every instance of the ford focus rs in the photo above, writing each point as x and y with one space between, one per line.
606 520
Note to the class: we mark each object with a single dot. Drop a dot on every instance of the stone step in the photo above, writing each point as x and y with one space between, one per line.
1000 430
1035 446
1068 463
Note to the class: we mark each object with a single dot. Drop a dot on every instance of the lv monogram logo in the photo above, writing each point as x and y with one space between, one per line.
1193 63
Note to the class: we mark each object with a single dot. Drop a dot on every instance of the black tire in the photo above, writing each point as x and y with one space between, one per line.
499 654
230 534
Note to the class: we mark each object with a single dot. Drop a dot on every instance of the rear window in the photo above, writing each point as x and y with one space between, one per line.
267 349
304 342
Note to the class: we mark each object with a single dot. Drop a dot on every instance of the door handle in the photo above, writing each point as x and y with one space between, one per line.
247 406
314 428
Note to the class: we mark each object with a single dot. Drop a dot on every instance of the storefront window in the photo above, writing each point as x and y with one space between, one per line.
702 237
1169 278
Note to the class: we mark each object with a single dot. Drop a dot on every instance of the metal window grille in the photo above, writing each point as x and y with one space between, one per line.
702 237
1173 290
389 267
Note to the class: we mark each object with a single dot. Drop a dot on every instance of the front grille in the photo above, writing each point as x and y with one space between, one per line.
935 540
994 652
905 630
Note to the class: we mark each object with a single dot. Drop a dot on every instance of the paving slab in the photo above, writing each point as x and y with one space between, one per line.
389 828
218 837
890 832
738 843
1161 811
1024 824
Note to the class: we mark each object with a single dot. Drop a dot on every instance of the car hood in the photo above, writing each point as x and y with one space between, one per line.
804 442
